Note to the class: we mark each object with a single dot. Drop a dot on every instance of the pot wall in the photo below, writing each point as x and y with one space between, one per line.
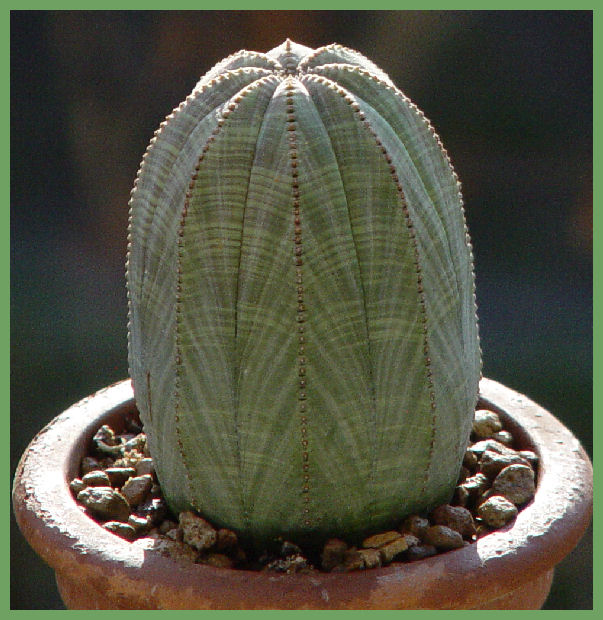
510 568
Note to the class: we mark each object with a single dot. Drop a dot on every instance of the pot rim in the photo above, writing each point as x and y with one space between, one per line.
543 533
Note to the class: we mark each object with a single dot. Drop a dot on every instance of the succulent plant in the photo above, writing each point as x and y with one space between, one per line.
303 342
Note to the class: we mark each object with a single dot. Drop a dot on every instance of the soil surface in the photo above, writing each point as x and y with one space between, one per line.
118 488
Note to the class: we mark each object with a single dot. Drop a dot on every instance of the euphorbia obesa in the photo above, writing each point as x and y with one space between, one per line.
303 340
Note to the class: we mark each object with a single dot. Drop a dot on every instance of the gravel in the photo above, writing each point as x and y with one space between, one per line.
121 529
118 487
333 553
492 463
119 475
136 489
378 540
197 532
420 552
105 503
393 549
516 483
486 423
96 478
497 511
443 538
456 518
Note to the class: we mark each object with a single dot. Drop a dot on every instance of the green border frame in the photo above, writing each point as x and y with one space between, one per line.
341 5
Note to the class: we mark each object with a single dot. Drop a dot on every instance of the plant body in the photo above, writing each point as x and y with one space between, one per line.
303 341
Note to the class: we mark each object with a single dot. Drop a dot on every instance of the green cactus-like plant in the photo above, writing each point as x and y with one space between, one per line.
303 341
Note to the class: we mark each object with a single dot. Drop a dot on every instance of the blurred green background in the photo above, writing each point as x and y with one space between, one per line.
510 94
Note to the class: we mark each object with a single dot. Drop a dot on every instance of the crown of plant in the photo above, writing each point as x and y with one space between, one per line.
303 340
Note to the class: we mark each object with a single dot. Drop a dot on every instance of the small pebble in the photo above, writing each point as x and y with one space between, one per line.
456 518
516 483
119 475
96 478
136 489
129 459
468 492
155 508
461 496
136 443
477 483
289 565
106 435
497 511
480 447
378 540
492 463
288 548
105 502
411 540
443 538
415 525
140 524
77 485
352 560
145 467
371 558
105 441
419 552
121 529
504 437
470 460
175 549
197 532
486 423
226 539
392 549
529 456
333 553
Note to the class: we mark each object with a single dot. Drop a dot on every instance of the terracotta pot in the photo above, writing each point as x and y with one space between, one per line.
511 568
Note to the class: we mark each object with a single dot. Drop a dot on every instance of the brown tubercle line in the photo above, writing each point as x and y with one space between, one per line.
396 91
178 309
298 260
149 404
290 65
229 107
361 285
150 216
190 99
355 106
